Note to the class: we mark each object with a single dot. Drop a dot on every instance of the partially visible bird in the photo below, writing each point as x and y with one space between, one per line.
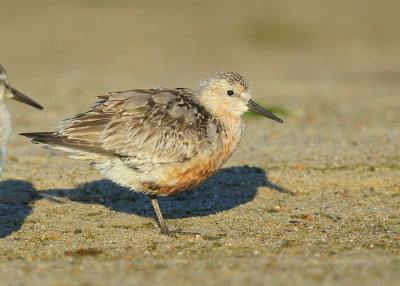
160 141
7 92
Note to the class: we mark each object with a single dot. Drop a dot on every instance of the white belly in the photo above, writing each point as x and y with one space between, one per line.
5 130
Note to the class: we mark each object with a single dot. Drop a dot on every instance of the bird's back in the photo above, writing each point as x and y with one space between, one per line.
154 125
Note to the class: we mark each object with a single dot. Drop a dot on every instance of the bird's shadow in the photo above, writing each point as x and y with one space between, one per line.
227 189
15 205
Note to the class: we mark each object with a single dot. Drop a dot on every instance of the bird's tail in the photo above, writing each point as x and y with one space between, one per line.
51 140
59 142
41 137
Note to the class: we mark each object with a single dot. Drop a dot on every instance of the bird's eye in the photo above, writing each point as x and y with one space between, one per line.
230 92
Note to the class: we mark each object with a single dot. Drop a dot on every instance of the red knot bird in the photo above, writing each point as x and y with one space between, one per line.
160 141
7 92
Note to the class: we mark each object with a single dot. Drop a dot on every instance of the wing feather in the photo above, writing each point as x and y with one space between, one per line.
163 125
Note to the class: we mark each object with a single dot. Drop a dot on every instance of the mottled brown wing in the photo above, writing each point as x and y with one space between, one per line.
156 125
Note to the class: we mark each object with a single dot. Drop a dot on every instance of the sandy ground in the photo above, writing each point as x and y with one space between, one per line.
312 202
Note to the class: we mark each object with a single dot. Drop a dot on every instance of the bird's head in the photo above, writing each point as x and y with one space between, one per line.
228 93
7 92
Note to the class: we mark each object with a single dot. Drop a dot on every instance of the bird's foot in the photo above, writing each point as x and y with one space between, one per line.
176 232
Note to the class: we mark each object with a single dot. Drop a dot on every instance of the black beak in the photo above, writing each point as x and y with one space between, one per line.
23 98
254 107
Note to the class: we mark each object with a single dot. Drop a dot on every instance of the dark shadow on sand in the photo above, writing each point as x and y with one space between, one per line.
15 198
227 189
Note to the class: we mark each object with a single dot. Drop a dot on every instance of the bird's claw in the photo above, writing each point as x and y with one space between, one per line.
176 232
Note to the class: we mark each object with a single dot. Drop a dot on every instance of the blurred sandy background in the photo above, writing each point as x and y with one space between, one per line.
330 68
73 49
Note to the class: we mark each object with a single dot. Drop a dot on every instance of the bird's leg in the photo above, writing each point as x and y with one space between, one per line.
161 221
